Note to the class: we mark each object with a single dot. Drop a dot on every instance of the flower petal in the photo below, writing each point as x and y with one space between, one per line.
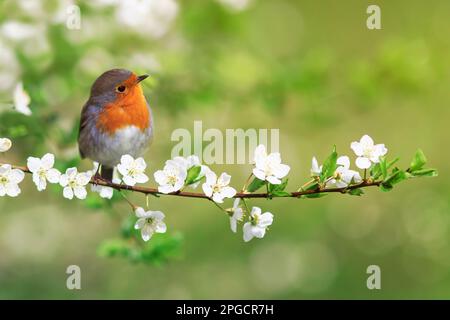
139 223
129 180
127 160
53 175
68 193
247 230
141 178
273 180
233 224
357 148
280 171
224 179
363 163
343 161
160 227
207 189
228 192
265 220
165 189
256 211
259 174
146 232
366 141
80 192
16 176
48 160
158 215
33 164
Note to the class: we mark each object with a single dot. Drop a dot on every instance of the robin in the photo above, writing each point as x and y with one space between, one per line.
116 120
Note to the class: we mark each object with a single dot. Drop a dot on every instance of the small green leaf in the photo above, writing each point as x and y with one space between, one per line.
375 172
425 173
280 194
255 185
383 167
386 187
391 163
329 165
312 186
192 174
418 161
396 176
356 192
278 187
315 195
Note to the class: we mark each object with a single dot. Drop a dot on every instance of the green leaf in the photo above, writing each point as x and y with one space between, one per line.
315 195
425 173
375 172
395 177
278 187
356 192
383 167
418 161
280 194
312 186
255 185
391 163
386 187
192 174
329 165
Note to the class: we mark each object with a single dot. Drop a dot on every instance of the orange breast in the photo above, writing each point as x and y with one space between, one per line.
128 110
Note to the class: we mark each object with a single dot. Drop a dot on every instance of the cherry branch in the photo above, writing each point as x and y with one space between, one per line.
242 195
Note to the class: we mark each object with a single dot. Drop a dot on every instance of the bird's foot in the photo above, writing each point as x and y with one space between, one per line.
97 179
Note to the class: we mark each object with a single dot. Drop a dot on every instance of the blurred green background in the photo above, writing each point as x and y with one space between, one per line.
310 68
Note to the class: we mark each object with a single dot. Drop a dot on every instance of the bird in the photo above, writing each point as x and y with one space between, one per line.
116 120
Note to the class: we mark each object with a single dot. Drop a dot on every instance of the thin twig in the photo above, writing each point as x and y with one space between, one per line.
242 195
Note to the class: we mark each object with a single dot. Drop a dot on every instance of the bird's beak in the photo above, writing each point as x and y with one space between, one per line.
143 77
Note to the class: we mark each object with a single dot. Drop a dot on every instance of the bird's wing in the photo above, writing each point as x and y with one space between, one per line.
86 118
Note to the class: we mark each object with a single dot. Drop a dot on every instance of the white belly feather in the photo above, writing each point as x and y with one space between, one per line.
130 140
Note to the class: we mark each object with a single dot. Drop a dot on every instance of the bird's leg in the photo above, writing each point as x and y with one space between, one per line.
97 177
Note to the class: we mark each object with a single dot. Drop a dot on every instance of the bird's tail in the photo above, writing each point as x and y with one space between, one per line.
107 173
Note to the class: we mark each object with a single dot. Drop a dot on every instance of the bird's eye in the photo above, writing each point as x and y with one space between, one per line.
121 89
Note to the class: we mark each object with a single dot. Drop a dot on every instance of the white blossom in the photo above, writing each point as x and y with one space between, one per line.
190 162
236 215
316 170
172 177
103 191
43 171
132 170
5 144
9 180
269 167
149 222
343 176
74 183
21 100
217 188
258 224
367 152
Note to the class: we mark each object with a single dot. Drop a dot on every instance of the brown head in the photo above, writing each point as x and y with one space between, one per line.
119 95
